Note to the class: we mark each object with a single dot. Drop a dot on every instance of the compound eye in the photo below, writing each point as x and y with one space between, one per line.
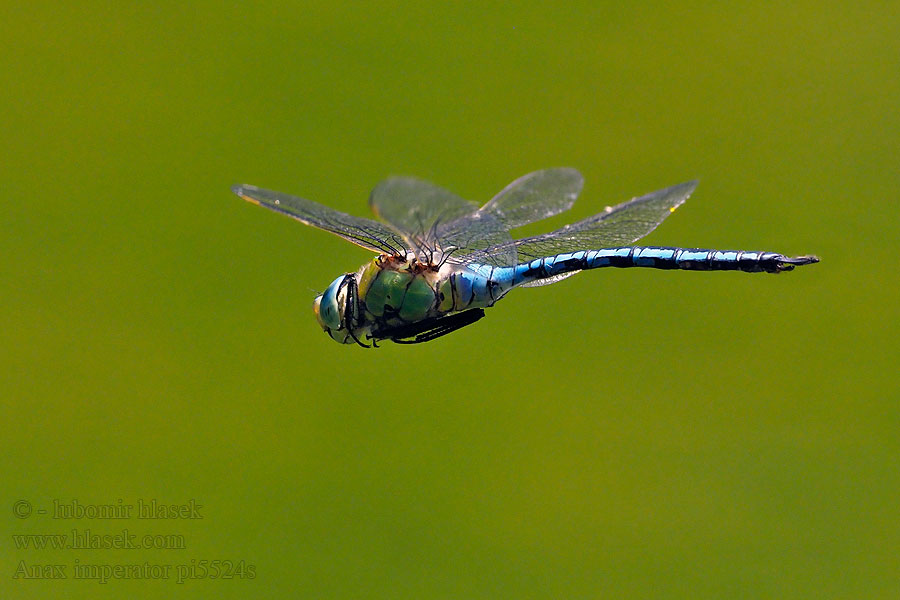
317 304
329 306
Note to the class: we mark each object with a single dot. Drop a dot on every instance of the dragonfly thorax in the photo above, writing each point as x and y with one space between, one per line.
386 293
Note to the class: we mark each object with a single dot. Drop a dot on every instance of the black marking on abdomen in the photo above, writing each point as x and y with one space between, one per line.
453 289
490 286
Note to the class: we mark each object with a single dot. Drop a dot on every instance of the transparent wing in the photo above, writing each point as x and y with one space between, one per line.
476 233
529 198
535 196
621 225
435 221
362 232
415 207
549 280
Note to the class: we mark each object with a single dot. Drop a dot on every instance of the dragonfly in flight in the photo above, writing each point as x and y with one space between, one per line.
442 260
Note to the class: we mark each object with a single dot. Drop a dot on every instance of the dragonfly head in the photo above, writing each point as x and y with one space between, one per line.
337 308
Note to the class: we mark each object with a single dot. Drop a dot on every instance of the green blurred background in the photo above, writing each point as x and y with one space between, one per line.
625 433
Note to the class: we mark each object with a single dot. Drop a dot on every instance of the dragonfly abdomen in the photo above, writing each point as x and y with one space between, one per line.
694 259
654 257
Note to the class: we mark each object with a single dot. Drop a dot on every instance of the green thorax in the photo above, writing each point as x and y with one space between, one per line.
395 292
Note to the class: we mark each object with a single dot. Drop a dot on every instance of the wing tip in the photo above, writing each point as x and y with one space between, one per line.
569 171
242 191
682 191
690 186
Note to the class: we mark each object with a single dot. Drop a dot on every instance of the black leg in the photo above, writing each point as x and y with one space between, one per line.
429 329
351 310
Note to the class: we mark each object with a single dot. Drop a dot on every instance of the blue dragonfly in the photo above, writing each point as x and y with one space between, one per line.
442 260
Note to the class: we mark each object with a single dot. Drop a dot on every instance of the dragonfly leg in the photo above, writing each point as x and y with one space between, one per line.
352 309
429 329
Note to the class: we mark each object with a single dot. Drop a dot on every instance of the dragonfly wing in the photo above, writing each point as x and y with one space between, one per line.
549 280
535 196
435 221
415 207
529 198
362 232
620 225
474 234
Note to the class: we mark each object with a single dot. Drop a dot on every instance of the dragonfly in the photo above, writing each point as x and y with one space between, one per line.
442 260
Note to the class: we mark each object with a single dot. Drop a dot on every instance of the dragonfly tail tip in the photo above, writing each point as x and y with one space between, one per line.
787 263
807 259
